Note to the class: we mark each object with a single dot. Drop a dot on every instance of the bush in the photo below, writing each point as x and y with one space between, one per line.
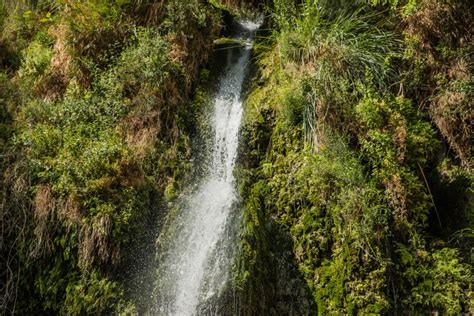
437 280
99 131
347 169
35 62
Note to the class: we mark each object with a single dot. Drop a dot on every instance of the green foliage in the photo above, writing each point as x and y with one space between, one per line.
407 6
336 47
397 142
293 105
332 213
73 143
255 250
438 280
182 10
6 95
340 146
347 41
100 129
35 61
395 125
88 23
93 295
141 65
347 169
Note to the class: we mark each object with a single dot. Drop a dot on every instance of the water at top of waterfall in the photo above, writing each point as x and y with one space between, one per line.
198 262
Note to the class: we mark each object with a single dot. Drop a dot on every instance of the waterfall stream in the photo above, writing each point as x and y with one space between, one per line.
197 266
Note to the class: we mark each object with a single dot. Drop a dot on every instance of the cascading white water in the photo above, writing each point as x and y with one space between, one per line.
198 262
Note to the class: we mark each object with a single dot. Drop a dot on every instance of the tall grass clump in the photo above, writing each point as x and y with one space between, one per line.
336 50
345 153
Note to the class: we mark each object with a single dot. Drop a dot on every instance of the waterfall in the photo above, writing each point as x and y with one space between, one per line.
197 265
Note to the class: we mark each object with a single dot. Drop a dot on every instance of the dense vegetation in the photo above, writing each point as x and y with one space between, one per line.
358 143
356 168
99 92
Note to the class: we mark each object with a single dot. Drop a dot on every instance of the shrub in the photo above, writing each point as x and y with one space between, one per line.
99 131
36 59
437 280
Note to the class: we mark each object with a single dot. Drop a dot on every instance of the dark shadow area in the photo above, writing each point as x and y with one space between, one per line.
450 220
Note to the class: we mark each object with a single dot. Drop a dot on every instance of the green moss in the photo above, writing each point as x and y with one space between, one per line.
102 127
345 169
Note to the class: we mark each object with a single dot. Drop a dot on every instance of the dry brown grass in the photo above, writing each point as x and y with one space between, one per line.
49 208
200 46
60 67
448 25
44 205
43 202
72 209
398 200
400 137
435 21
95 243
130 174
148 12
56 78
140 129
14 216
453 113
94 237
